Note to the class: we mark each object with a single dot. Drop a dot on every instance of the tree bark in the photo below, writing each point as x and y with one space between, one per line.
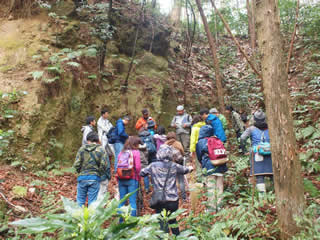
251 24
215 59
286 165
175 14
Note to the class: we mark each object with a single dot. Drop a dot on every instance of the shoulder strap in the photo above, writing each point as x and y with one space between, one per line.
262 139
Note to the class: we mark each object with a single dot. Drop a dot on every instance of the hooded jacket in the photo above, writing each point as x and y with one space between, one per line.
85 131
160 139
217 127
195 135
121 131
203 153
159 170
92 163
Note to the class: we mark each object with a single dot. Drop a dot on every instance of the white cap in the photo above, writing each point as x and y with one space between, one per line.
180 108
213 110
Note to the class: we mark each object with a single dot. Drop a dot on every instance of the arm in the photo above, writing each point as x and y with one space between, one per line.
105 165
121 131
146 171
102 126
137 161
173 122
193 140
245 135
188 122
182 170
77 164
139 124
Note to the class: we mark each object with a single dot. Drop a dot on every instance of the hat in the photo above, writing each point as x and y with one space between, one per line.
165 152
213 110
259 116
180 108
151 124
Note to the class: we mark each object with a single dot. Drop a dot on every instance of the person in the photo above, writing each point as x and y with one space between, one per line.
121 137
104 125
163 174
144 163
143 121
261 165
215 122
160 137
126 186
182 123
172 141
89 127
214 175
197 123
221 117
92 165
237 123
151 125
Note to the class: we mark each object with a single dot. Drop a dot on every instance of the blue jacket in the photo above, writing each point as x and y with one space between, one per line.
121 131
217 127
203 153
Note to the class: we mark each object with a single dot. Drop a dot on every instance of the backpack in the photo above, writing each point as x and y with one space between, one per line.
217 151
263 147
112 135
150 144
125 168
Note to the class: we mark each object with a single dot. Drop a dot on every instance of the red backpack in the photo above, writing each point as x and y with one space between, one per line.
217 151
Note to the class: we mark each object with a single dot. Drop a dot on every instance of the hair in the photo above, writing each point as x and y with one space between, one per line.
171 135
126 118
230 108
93 137
144 111
104 110
161 130
204 111
196 119
89 119
132 143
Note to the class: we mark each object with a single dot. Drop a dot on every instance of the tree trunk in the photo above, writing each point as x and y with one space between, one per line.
215 58
175 14
251 24
286 165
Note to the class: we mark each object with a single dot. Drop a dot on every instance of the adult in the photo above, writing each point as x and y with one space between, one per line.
121 137
182 123
143 121
104 125
131 147
261 165
89 127
220 116
163 177
172 141
92 165
214 176
237 123
215 122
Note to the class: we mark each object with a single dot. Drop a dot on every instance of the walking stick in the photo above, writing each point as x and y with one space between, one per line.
254 179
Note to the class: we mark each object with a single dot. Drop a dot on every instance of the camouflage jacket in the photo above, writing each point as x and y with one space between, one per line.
237 123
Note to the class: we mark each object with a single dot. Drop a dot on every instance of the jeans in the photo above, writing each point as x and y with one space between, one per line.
172 207
87 187
129 186
103 189
118 146
146 183
180 178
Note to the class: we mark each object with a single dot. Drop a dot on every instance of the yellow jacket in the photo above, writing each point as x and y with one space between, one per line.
195 135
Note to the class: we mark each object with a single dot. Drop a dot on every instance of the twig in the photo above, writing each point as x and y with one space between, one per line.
293 36
236 41
18 208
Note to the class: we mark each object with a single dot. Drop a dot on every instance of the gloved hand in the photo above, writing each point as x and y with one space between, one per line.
190 168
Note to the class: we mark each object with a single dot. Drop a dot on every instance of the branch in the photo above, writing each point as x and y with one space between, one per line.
236 41
293 36
18 208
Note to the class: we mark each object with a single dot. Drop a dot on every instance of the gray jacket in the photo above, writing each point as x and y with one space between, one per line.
180 120
158 171
86 130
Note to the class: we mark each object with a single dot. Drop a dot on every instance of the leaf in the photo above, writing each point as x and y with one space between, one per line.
19 191
310 188
73 64
308 131
36 75
92 76
305 156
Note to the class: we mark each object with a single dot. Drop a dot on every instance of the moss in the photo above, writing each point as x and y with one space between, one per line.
150 61
11 43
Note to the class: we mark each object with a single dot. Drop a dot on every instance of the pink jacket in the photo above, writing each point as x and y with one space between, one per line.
137 163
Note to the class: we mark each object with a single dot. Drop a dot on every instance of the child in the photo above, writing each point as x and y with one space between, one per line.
160 136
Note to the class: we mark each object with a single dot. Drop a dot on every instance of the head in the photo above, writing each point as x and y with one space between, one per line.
145 113
151 124
229 109
214 111
196 119
93 137
204 113
132 143
105 113
171 135
259 116
161 130
180 110
165 152
90 120
126 120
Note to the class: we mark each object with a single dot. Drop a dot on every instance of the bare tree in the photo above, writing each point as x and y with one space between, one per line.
286 165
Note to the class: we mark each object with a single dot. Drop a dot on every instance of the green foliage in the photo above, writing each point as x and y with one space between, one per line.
19 191
37 74
310 188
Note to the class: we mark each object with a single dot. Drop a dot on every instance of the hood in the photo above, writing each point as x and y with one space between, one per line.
205 131
85 127
170 142
199 124
90 147
261 125
211 117
165 152
161 137
144 133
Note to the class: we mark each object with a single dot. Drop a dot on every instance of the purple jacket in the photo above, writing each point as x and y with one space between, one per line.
160 139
